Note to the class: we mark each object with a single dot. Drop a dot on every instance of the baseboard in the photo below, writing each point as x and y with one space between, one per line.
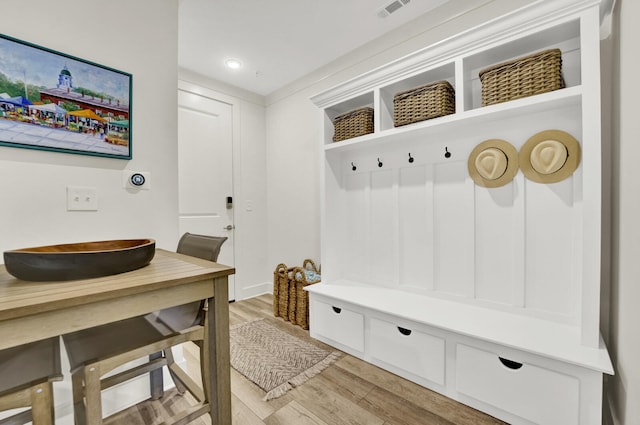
67 419
116 399
254 291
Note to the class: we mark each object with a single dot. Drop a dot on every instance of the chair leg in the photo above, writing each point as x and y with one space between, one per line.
92 394
77 390
42 404
204 360
156 383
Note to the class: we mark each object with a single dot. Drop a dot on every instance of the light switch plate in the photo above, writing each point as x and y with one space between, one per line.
82 198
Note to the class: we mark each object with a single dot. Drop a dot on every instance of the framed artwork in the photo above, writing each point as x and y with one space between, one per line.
57 102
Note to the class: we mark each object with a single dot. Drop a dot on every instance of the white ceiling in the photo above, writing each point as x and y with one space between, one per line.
279 41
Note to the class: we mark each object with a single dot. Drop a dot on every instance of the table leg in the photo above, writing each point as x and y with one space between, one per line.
217 354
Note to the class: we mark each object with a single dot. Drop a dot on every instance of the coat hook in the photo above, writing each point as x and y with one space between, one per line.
353 167
411 159
447 154
379 163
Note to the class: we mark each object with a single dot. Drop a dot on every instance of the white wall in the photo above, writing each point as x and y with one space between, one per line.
293 171
253 276
33 183
116 33
623 390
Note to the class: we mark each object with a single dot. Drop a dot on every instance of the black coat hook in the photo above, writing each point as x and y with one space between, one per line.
447 154
353 167
411 159
379 163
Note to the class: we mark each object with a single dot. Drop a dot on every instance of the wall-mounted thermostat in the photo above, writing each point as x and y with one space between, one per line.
139 180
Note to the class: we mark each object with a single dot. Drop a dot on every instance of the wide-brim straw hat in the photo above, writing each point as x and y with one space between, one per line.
550 156
493 163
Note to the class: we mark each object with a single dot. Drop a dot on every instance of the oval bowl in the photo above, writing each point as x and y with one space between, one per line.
84 260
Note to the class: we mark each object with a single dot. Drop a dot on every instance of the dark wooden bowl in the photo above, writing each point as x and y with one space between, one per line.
83 260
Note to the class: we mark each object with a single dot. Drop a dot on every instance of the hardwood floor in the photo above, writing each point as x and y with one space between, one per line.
350 391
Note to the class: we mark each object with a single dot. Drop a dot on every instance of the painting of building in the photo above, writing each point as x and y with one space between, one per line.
63 92
53 101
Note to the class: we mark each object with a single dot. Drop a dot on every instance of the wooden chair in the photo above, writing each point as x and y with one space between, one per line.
95 352
26 376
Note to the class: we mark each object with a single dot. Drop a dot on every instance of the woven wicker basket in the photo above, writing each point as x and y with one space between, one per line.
301 308
281 290
526 76
353 124
423 103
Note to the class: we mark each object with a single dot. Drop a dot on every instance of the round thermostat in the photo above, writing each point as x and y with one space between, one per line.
137 179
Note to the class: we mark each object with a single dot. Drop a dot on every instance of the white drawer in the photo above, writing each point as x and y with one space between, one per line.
337 324
410 350
540 395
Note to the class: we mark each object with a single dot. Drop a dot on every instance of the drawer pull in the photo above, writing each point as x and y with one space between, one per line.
337 310
404 331
510 363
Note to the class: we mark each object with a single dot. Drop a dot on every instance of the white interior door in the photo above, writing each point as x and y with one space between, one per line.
205 171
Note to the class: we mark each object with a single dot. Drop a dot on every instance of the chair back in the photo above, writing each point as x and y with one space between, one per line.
201 246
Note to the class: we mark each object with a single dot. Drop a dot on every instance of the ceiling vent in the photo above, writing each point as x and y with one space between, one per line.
391 8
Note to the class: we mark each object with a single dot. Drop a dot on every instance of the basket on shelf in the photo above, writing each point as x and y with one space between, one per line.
281 289
303 276
424 103
538 73
353 124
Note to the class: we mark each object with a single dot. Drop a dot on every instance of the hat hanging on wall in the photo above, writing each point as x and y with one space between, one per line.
493 163
550 156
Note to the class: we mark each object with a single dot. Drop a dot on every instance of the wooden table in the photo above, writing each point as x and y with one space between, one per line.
30 311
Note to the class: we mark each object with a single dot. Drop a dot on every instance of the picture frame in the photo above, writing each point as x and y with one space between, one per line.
57 102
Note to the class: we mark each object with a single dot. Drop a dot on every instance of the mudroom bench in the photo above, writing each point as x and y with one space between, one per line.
520 369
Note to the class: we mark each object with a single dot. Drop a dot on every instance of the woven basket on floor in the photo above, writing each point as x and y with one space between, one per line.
538 73
353 124
301 308
424 103
281 290
297 275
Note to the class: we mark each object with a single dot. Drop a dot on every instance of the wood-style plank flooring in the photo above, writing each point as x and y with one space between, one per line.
350 391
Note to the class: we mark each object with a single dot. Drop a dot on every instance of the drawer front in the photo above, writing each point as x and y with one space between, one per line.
531 392
338 324
415 352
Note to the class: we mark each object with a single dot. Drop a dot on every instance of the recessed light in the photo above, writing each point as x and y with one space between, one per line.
233 64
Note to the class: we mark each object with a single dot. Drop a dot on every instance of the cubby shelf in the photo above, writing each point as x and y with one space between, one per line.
564 98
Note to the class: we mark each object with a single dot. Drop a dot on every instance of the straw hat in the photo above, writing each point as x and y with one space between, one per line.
493 163
550 156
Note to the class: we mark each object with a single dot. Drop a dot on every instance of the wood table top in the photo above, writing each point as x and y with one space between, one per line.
20 298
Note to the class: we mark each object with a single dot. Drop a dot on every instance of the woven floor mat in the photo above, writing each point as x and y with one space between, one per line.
275 360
